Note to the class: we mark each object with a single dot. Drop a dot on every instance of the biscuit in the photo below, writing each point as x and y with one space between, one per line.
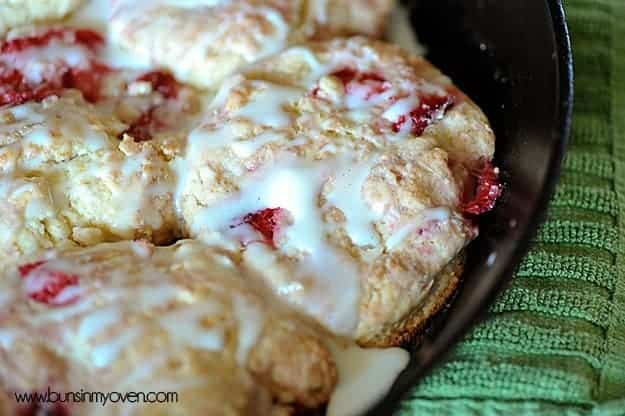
203 42
69 178
332 168
84 147
181 318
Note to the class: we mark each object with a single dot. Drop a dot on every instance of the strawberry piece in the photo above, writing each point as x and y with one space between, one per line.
143 127
429 109
347 75
14 88
86 81
47 286
88 38
162 82
25 269
267 222
487 191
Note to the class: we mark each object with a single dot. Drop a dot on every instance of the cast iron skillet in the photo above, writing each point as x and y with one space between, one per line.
514 59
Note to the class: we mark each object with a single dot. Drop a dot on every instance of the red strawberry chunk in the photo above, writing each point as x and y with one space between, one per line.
267 222
85 37
487 191
143 127
50 287
162 82
15 89
25 269
429 109
88 38
87 81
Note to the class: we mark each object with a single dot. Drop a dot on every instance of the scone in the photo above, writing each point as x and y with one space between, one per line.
14 13
173 319
84 147
347 174
70 175
204 41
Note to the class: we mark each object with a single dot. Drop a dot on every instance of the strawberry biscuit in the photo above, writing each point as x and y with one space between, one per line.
177 319
204 41
345 173
84 147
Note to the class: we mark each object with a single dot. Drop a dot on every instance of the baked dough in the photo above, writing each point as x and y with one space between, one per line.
204 41
85 147
338 170
181 318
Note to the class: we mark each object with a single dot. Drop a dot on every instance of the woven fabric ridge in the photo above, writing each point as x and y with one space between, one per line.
555 340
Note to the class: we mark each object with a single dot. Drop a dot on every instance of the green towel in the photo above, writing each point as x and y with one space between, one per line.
555 341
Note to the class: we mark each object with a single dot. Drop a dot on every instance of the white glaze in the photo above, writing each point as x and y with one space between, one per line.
293 185
130 26
400 107
185 326
102 355
278 40
98 321
7 337
364 377
103 324
266 106
56 131
247 148
346 195
434 214
250 319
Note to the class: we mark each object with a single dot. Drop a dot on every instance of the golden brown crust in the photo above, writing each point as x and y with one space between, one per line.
297 369
411 326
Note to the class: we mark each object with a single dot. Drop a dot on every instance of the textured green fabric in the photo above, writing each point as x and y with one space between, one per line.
555 342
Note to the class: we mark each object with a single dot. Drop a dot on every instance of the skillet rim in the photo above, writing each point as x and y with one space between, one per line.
562 123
